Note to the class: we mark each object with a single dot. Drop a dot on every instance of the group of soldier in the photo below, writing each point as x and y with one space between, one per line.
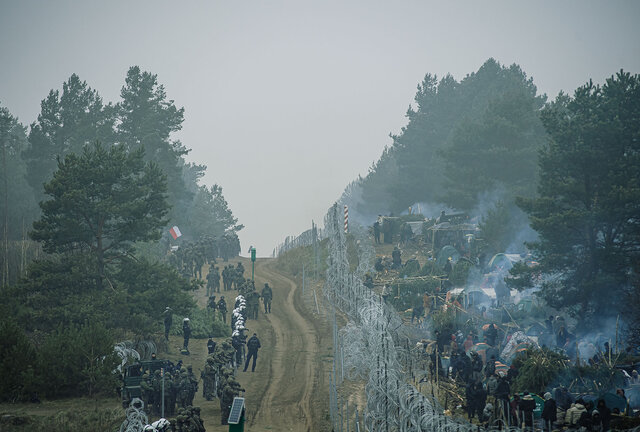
189 258
223 359
218 375
178 388
252 298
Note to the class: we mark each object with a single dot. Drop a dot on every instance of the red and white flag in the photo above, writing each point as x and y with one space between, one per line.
175 232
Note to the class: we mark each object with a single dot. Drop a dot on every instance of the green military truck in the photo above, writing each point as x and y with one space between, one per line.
132 378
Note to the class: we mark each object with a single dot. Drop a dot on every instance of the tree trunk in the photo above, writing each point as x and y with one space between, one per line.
100 258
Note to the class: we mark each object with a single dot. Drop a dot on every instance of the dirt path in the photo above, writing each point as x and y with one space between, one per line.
287 392
287 396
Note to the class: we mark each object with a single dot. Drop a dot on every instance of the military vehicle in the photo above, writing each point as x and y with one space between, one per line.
132 377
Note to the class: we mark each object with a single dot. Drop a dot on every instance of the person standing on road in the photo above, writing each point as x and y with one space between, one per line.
253 345
267 296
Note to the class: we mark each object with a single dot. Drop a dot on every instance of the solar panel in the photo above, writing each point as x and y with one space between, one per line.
236 410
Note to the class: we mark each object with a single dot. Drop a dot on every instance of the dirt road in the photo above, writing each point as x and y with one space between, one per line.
287 392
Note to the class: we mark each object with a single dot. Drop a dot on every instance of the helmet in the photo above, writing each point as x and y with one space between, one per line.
186 319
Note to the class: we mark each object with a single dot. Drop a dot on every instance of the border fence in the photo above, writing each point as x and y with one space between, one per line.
308 238
374 346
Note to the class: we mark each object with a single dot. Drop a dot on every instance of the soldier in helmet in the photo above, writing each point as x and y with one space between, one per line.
156 385
211 346
237 342
193 384
222 307
168 390
147 391
186 332
253 304
184 389
208 379
231 391
215 279
239 275
267 296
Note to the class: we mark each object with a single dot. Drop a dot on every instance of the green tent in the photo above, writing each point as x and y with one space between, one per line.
445 253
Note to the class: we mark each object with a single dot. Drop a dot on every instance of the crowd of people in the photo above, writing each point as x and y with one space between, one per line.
488 386
178 385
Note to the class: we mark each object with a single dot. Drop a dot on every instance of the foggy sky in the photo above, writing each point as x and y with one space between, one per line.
287 102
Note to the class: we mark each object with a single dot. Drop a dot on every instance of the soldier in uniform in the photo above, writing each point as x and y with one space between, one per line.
186 332
147 391
168 390
223 378
168 320
184 388
156 385
209 379
213 305
253 304
216 279
239 274
222 307
210 289
238 344
231 391
193 384
267 296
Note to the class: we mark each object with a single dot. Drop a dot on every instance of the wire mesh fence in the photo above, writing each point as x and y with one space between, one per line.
374 346
309 237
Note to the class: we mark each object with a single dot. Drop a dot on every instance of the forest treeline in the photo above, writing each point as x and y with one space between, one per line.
566 170
89 191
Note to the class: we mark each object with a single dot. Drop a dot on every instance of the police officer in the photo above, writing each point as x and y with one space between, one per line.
267 296
253 345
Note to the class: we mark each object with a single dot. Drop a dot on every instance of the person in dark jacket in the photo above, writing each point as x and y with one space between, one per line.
491 334
253 345
502 398
605 414
527 405
549 412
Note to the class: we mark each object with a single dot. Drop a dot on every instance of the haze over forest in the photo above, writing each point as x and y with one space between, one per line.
286 103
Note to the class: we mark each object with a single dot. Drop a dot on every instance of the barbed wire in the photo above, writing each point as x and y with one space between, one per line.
136 418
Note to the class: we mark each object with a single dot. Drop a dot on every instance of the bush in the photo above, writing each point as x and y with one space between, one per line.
405 292
77 360
538 368
17 360
202 324
71 361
